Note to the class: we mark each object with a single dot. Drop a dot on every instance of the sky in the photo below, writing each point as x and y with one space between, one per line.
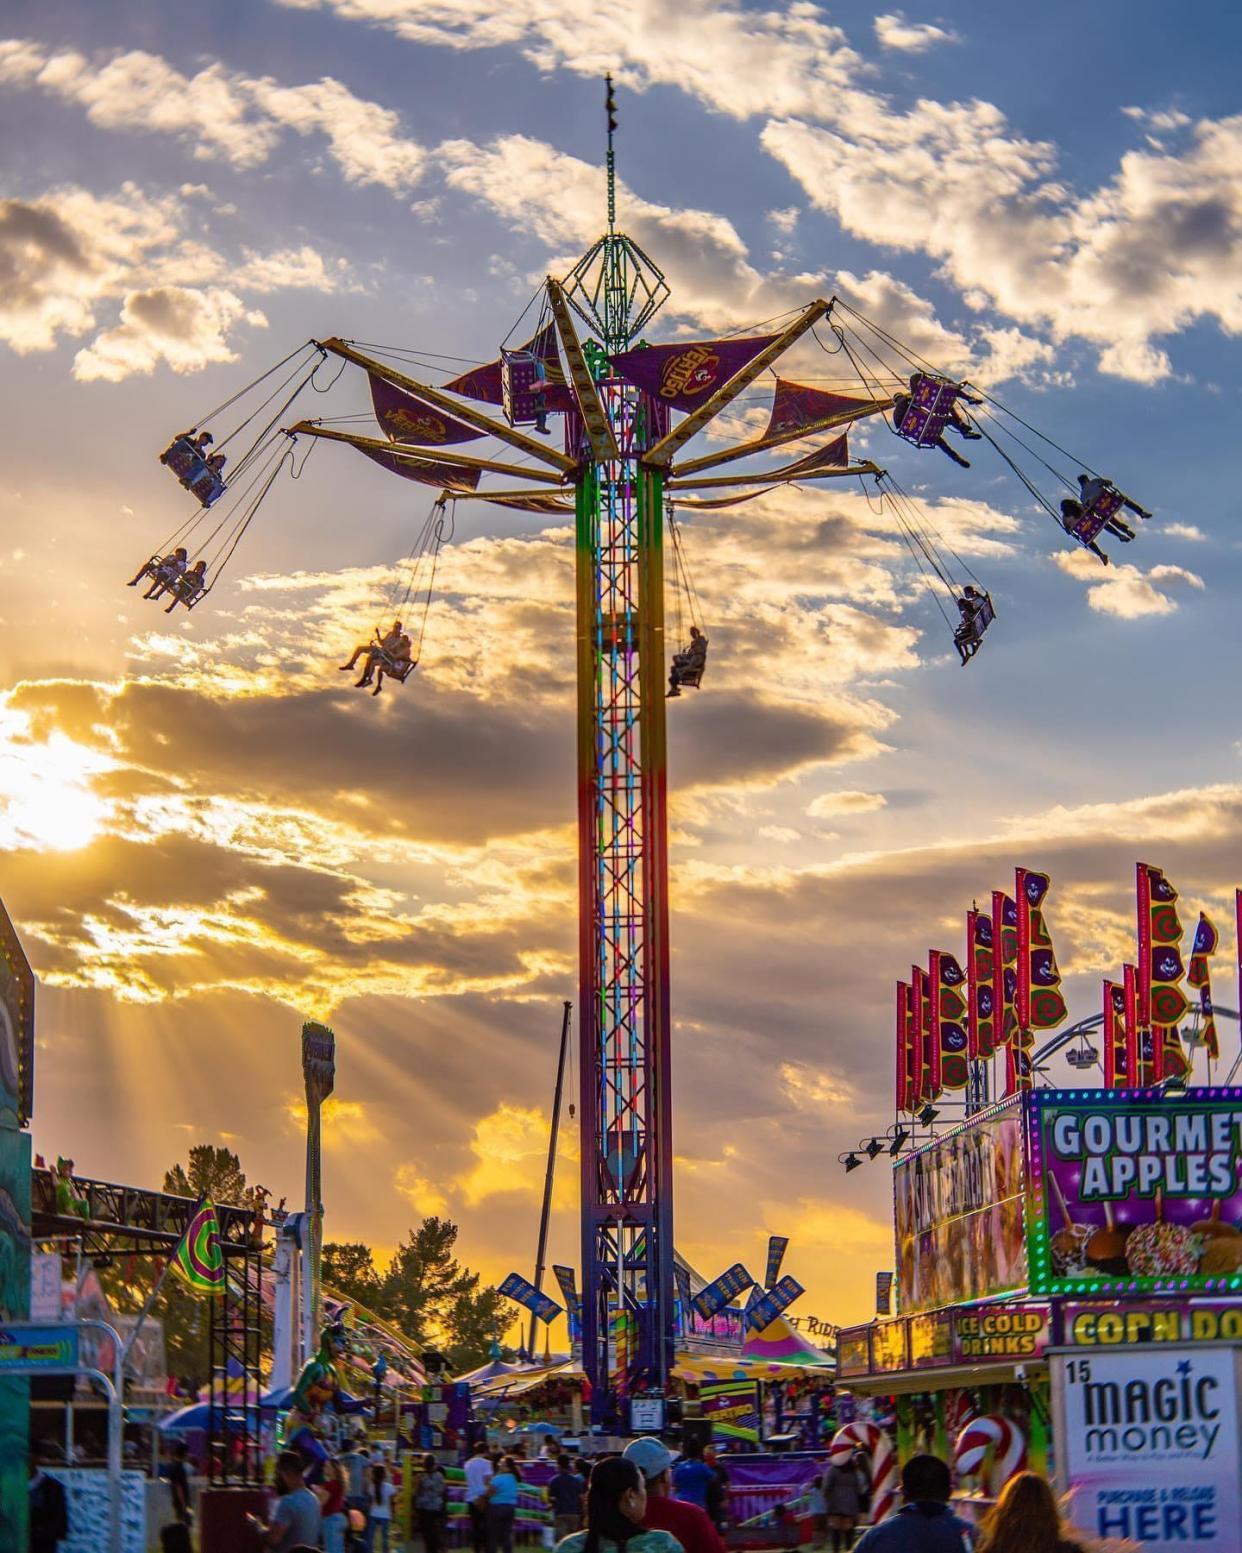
209 836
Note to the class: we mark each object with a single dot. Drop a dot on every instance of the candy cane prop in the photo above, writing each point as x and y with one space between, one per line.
882 1460
1003 1438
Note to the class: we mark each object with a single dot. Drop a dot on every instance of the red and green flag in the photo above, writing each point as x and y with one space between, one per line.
1162 1004
198 1261
981 985
947 986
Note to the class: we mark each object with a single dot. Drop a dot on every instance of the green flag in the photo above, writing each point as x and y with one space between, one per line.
198 1260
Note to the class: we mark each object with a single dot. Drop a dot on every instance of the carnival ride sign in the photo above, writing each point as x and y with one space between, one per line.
540 1305
1135 1192
1148 1445
959 1214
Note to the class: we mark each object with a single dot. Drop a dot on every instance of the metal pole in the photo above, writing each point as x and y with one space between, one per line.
541 1253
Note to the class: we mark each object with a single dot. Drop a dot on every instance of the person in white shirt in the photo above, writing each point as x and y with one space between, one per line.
380 1495
478 1469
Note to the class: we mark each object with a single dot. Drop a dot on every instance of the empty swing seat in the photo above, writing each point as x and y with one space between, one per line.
929 411
193 471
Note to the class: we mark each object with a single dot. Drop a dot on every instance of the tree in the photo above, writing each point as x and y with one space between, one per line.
212 1172
424 1281
349 1268
478 1320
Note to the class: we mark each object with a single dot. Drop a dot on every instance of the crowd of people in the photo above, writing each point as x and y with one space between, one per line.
648 1499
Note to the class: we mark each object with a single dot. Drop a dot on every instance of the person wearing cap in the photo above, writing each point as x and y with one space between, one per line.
691 1525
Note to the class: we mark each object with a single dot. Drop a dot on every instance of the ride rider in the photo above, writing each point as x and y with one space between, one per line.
162 570
687 667
186 589
394 647
966 638
1092 487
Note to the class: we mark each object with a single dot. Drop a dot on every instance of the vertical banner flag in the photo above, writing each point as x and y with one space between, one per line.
1138 1042
1040 1005
981 989
1200 977
918 1093
1116 1070
198 1261
1162 1004
568 1285
883 1293
929 1050
681 1278
1005 965
948 1018
907 1072
777 1246
718 1294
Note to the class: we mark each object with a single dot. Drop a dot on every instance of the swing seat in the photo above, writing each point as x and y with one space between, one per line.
399 669
193 471
189 590
1093 518
688 679
519 371
929 411
972 630
1106 505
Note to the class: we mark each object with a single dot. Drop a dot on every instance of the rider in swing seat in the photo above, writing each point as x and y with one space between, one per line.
966 638
1092 487
187 587
391 648
957 421
1071 512
687 667
162 570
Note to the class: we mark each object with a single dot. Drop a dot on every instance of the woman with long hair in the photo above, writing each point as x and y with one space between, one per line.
330 1492
1026 1519
615 1504
380 1496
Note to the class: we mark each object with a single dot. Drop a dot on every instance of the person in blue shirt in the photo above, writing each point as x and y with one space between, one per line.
924 1524
692 1477
502 1498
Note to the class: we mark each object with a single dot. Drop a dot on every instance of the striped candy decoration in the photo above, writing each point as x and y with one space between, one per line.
883 1462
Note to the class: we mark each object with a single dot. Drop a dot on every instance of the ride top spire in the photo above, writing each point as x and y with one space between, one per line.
610 110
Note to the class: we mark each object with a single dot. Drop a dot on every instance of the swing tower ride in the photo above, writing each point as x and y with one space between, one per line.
615 474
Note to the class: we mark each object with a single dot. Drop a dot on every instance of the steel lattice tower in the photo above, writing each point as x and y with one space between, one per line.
625 1058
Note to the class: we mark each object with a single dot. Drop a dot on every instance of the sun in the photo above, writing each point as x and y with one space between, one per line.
47 798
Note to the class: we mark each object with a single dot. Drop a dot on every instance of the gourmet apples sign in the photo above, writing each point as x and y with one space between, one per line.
1148 1440
1135 1192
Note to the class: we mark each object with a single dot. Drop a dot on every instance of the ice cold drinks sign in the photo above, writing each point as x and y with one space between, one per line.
1150 1445
1136 1192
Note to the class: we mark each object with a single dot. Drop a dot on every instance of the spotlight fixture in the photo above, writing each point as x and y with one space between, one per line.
873 1147
900 1138
852 1162
928 1115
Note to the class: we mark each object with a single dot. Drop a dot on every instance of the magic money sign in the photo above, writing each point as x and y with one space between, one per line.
1135 1192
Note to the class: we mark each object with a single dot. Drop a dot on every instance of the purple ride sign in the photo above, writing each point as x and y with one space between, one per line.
1135 1191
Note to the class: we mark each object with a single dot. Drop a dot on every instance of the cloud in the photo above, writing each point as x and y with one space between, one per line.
893 31
1127 592
1187 531
829 805
220 113
348 1120
69 256
187 329
422 1195
510 1146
